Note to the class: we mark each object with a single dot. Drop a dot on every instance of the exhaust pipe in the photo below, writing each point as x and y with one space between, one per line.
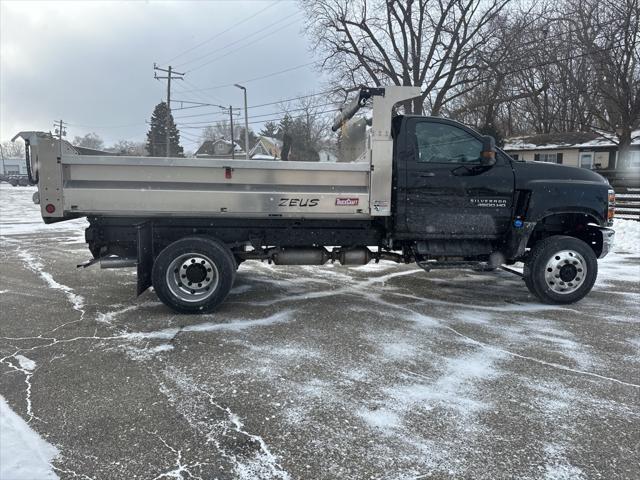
118 262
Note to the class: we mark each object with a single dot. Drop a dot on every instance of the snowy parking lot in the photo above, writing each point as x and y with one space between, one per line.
376 372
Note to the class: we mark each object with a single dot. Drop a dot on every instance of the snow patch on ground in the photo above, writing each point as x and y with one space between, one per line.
25 363
476 318
398 350
232 326
627 236
382 418
24 455
25 366
618 267
205 413
20 216
108 317
375 267
34 264
455 388
147 353
557 467
240 289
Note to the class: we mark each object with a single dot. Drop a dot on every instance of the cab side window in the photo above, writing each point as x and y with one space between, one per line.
442 143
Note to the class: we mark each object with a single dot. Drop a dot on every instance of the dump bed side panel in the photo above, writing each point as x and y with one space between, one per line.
143 186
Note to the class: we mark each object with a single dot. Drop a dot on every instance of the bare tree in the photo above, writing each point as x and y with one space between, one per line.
126 147
306 123
90 140
425 43
220 129
546 74
608 35
493 78
13 149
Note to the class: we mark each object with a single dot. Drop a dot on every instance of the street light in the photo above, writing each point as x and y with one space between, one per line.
246 121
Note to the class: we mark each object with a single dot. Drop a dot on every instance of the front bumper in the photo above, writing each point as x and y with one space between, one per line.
608 237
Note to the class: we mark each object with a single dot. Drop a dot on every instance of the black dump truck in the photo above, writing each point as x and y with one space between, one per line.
407 188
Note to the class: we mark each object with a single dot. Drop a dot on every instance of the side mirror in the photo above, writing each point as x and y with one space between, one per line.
488 154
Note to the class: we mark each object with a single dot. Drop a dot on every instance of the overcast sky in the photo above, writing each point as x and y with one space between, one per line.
90 63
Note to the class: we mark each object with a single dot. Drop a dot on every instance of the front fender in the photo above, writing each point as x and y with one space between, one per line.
568 197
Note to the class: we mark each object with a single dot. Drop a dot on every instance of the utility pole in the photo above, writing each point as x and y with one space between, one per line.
246 121
233 142
169 71
61 132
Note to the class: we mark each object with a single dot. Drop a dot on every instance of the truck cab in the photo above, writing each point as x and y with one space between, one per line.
448 190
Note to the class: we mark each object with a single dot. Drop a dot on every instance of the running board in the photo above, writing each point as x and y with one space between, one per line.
478 266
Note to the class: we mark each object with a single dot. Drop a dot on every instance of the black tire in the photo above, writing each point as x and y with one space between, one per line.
561 270
205 265
23 182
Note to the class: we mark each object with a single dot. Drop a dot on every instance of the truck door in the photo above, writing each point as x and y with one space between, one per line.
448 193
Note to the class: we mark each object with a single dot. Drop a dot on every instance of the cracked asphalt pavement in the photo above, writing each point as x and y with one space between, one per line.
373 372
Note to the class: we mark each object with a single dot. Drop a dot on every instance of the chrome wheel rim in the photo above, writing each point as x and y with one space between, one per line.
565 272
192 277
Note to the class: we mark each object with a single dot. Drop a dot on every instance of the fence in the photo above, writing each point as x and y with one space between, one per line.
626 183
628 205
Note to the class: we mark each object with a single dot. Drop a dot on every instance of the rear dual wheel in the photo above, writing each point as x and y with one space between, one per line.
194 274
561 270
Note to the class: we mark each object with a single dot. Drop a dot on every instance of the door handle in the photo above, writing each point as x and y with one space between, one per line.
427 174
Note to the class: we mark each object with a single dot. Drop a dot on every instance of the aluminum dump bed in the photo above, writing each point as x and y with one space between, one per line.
72 185
134 186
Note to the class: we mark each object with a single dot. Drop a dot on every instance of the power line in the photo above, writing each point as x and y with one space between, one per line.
208 98
235 42
274 119
269 75
267 114
275 102
223 32
196 115
284 100
193 138
106 127
241 47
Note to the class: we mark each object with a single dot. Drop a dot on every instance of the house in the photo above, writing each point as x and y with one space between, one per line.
14 166
577 149
220 148
266 148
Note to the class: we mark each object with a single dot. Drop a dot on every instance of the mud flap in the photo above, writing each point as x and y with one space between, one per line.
144 232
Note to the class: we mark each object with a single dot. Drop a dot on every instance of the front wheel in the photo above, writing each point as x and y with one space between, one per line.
194 274
561 270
